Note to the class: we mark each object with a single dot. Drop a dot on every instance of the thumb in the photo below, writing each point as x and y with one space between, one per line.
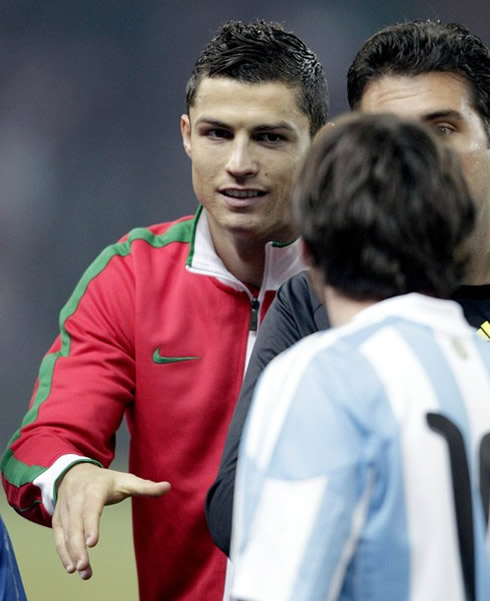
139 487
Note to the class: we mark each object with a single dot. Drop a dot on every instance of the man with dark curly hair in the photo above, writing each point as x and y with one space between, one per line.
366 446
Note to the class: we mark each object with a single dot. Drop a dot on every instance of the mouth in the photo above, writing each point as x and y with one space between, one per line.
242 194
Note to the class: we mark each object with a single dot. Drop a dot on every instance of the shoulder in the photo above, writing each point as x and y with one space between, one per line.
307 392
120 259
298 362
297 298
328 364
298 290
161 234
141 240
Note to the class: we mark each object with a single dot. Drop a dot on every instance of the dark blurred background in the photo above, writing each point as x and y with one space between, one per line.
91 93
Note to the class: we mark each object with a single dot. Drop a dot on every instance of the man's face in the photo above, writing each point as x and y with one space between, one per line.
442 101
245 142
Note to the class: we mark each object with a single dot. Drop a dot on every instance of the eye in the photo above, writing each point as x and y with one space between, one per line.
218 133
443 130
270 137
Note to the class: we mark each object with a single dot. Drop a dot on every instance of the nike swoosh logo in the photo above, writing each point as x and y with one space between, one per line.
157 358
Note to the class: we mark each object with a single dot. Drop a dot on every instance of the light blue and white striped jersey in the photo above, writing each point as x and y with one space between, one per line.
364 465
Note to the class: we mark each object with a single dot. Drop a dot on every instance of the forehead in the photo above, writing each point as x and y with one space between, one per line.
230 101
419 95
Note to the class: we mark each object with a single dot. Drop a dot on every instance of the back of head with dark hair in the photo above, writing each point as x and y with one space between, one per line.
383 208
261 52
419 47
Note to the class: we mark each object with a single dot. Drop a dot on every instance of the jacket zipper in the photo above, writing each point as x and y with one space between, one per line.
254 314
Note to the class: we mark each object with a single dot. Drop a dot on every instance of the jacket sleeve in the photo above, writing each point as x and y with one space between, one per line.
85 382
294 313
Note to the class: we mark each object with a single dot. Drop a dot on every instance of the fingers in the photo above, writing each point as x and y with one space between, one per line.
70 544
76 518
59 540
82 494
76 527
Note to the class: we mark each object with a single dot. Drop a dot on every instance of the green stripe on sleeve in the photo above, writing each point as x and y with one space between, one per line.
16 472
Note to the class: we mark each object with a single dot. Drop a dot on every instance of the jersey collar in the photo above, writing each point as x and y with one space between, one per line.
282 261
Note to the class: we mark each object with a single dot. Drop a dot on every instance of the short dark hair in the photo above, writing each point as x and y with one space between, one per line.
261 52
418 47
384 209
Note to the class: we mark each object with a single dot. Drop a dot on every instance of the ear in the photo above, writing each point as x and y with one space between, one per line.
185 130
328 125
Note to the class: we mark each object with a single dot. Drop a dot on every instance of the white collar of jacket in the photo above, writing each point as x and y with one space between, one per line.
282 261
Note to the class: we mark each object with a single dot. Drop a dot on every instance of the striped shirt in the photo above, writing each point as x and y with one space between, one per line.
363 471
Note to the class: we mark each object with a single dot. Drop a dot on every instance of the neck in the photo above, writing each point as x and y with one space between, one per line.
340 308
478 268
243 255
243 258
245 262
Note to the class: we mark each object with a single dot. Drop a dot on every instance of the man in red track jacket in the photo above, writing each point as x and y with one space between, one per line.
160 326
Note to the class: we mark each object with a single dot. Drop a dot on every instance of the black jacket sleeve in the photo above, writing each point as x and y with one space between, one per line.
294 313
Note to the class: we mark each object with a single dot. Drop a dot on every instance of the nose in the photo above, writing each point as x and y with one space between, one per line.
241 162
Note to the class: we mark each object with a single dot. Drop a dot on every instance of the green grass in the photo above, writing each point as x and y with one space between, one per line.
114 577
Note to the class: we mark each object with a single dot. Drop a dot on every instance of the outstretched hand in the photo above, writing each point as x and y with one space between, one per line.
82 495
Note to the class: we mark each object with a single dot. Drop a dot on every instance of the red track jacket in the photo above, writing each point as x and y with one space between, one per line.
156 330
